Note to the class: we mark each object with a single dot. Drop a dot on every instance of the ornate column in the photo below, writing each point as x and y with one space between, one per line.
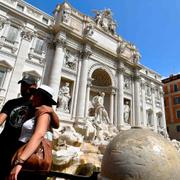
18 67
120 103
56 68
76 87
137 98
80 113
111 115
87 96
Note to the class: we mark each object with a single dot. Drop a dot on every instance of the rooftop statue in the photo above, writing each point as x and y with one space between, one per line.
104 20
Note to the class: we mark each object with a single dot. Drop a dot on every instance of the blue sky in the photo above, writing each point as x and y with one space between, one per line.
152 25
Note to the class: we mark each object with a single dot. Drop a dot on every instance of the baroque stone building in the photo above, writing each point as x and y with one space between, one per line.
78 56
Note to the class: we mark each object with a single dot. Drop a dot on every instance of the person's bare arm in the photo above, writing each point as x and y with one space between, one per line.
54 117
3 117
42 126
54 120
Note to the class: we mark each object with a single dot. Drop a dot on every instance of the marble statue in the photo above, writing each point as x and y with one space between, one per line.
104 20
98 16
136 56
66 13
112 27
100 111
89 30
121 47
126 112
64 98
70 136
64 154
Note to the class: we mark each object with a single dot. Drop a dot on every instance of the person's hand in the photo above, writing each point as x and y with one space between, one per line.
14 172
43 109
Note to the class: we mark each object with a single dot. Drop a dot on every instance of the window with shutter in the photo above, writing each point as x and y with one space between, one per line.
39 46
12 34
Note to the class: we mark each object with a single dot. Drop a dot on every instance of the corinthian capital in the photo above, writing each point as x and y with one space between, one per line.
60 39
2 21
137 76
60 42
121 67
86 52
28 35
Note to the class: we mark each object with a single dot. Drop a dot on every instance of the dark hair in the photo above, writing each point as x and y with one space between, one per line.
44 99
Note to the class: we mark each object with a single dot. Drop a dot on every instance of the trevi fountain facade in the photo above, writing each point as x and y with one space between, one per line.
99 83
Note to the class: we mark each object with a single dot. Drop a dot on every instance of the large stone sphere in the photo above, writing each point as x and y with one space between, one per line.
140 154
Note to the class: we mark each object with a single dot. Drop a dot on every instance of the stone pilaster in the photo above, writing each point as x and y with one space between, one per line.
80 113
18 68
76 88
56 68
120 103
137 98
111 114
87 96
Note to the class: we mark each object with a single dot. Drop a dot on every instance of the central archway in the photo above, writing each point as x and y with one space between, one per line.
100 82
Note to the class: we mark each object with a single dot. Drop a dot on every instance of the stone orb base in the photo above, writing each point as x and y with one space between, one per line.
140 154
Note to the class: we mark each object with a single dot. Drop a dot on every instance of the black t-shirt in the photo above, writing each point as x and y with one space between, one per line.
18 111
